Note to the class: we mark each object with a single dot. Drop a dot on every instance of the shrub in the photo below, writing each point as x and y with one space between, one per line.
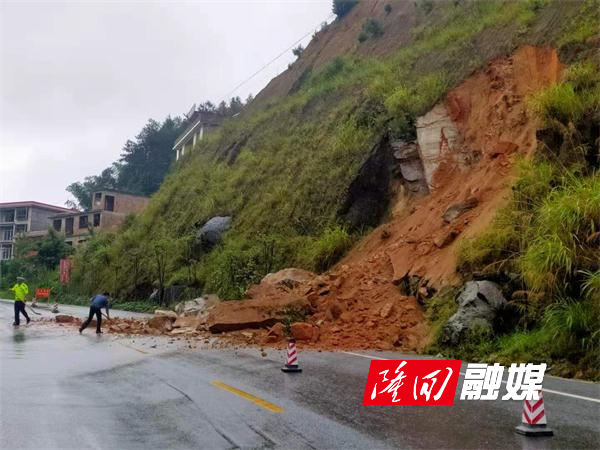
372 28
584 26
327 249
387 8
558 103
574 327
362 37
563 222
591 285
495 248
583 75
438 310
342 7
426 5
297 51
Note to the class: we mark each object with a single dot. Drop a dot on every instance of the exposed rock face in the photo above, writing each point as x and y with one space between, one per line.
369 193
478 305
437 135
411 167
211 232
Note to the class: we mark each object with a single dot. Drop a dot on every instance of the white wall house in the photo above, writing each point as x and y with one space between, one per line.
199 123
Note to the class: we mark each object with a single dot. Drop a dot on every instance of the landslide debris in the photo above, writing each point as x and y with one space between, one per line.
468 146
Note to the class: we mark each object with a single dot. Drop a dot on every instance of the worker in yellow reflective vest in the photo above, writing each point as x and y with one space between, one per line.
21 290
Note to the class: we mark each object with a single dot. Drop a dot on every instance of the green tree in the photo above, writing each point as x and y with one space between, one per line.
235 105
145 161
143 164
160 253
223 109
52 249
82 190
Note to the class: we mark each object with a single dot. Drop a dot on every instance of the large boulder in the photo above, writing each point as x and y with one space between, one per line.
161 323
285 279
276 333
210 233
190 307
187 322
255 313
478 305
166 313
303 331
457 209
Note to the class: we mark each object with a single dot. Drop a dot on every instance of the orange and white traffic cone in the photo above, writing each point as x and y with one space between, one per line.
292 358
533 419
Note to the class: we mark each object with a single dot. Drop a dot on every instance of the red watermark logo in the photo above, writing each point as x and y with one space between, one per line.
413 382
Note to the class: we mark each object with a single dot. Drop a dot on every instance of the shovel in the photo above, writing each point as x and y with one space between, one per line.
33 310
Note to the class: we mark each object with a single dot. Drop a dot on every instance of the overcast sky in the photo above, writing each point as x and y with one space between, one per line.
77 79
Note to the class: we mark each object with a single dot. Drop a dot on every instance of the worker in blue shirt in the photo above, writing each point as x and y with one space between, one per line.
97 303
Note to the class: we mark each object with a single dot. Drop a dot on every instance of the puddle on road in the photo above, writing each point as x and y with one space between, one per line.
18 349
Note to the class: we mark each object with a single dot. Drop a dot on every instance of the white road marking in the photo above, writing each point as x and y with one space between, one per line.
551 391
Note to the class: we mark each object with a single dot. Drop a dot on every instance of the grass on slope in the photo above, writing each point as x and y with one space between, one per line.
549 235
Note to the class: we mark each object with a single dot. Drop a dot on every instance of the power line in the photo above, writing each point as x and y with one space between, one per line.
276 58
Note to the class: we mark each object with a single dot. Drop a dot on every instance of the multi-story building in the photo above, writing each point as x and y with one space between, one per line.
29 219
109 210
199 123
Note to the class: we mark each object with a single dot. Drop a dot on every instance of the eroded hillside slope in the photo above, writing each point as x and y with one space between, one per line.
363 301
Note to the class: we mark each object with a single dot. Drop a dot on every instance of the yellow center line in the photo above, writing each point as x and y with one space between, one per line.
251 398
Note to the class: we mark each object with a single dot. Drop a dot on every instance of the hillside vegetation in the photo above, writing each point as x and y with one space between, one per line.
282 168
549 234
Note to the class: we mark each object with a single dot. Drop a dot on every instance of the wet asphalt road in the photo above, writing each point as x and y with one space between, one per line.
62 390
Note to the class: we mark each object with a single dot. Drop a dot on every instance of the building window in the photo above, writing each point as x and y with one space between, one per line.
81 241
6 252
7 215
21 229
21 214
7 233
57 224
97 219
109 203
98 199
69 225
83 222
